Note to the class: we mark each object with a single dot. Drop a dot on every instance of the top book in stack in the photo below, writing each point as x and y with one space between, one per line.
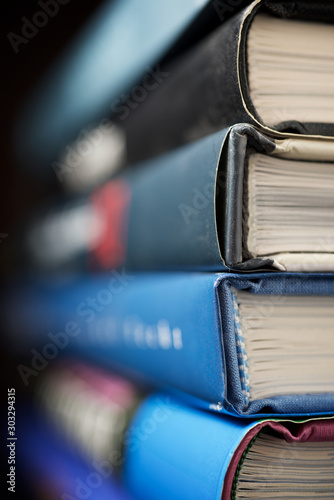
271 65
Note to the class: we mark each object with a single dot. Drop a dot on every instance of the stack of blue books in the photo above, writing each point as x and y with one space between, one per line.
178 318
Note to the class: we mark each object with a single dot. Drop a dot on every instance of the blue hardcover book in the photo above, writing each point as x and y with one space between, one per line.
172 451
238 199
240 344
175 452
54 471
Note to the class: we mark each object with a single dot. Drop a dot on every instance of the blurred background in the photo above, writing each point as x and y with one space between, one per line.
65 64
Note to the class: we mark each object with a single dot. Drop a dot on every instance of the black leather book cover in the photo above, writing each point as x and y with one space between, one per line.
206 89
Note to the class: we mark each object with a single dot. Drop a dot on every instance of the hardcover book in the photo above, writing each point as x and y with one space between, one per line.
174 451
168 450
238 199
271 65
239 344
197 455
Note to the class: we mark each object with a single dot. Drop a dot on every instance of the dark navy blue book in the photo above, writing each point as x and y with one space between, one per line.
238 199
257 344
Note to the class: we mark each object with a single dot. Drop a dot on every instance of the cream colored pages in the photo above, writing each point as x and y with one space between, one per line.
291 70
289 343
291 212
275 469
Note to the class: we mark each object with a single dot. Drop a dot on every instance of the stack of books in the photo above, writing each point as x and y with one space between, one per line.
205 271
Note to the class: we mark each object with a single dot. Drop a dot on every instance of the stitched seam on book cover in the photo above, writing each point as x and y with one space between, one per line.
241 351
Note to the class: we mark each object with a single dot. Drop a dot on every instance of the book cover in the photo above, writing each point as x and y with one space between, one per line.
171 448
237 199
241 344
243 72
198 455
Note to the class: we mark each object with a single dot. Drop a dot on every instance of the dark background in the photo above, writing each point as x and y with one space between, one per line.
19 191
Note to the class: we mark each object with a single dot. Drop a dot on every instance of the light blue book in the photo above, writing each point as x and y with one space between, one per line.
175 452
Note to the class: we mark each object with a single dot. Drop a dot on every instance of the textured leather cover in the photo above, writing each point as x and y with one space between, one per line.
173 330
207 88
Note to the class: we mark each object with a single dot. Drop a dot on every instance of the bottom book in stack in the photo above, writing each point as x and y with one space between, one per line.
161 448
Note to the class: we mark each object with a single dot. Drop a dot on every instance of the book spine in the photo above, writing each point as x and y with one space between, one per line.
165 329
160 216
